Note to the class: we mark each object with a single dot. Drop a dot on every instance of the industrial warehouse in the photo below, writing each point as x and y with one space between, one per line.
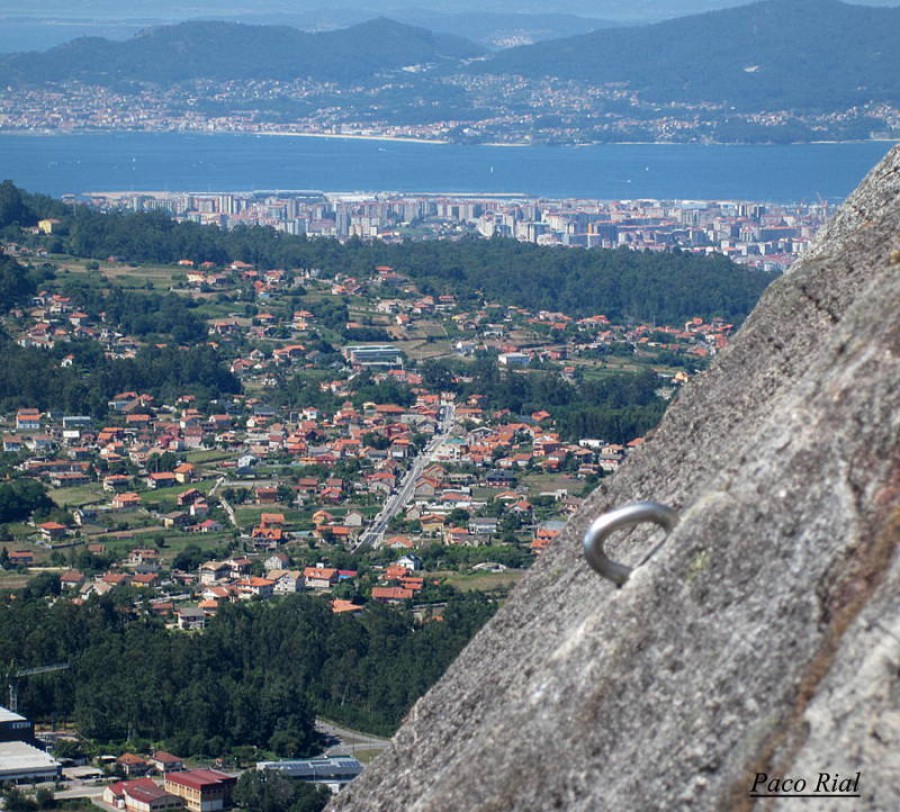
20 760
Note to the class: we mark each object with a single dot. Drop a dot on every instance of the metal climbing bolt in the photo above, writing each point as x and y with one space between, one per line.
622 517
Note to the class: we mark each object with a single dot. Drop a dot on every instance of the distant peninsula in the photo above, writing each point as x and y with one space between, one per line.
752 74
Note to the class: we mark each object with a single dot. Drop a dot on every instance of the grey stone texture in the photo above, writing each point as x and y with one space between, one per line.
763 637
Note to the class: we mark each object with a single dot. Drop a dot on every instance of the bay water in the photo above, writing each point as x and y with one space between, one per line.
61 164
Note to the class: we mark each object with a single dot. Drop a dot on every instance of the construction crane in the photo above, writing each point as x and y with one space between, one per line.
13 677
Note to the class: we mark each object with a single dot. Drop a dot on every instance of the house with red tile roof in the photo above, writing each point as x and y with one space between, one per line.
189 496
52 531
543 538
395 572
266 495
264 536
161 479
202 790
391 594
271 520
184 473
72 579
209 606
249 588
320 577
140 795
115 482
21 558
133 764
165 762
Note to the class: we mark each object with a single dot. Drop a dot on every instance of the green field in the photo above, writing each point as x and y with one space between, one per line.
128 276
13 580
213 455
248 515
83 495
484 581
541 483
420 350
159 276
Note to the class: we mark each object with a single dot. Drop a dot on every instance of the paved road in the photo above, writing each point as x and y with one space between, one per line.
349 740
218 484
82 791
398 501
229 510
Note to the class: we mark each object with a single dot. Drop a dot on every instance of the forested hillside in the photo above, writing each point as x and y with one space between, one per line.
662 287
37 378
762 56
210 50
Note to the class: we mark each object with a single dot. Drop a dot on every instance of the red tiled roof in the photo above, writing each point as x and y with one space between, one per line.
147 794
339 606
325 573
199 779
395 593
120 787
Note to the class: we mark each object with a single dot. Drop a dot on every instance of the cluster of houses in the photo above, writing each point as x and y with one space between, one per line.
198 790
481 461
205 789
191 598
231 580
304 474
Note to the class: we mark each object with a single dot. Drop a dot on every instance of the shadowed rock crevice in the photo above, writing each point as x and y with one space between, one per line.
764 636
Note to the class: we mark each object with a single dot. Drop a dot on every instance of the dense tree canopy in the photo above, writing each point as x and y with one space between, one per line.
17 282
20 497
270 791
34 377
617 408
13 210
138 314
256 676
622 284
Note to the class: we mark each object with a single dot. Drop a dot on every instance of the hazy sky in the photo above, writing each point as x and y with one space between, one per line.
180 9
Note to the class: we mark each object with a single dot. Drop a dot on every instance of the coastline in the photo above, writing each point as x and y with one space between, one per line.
400 139
203 133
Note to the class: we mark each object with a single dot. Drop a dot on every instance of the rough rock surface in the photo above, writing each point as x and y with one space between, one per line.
764 637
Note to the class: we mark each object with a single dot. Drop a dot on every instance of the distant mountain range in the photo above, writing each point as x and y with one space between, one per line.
771 55
497 29
493 30
775 70
227 51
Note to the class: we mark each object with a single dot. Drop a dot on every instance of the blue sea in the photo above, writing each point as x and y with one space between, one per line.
60 164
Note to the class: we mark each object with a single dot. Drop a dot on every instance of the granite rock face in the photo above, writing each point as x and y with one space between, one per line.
763 637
